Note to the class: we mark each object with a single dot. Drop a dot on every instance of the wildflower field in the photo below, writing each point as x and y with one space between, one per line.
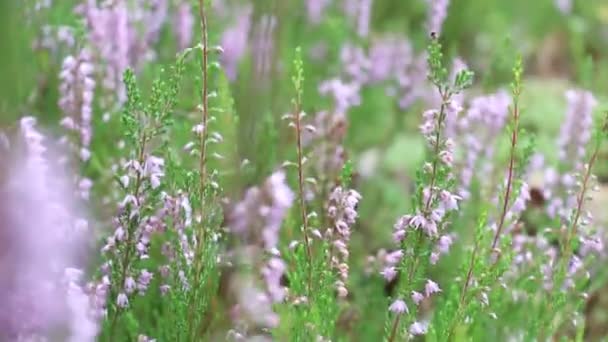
303 170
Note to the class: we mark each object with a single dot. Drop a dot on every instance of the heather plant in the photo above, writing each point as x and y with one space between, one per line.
314 170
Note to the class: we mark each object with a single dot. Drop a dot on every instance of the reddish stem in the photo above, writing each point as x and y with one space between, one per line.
508 190
579 203
303 210
394 329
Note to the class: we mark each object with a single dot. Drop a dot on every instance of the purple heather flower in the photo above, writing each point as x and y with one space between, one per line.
153 169
272 272
418 328
475 135
430 288
576 128
399 235
164 289
418 221
449 201
398 307
417 297
341 289
122 300
574 135
345 95
143 281
429 125
76 101
130 285
394 257
592 244
110 33
389 273
342 212
400 228
430 228
444 244
359 12
434 258
355 63
123 36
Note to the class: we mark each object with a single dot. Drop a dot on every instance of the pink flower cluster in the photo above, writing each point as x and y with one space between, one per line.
77 90
342 210
256 221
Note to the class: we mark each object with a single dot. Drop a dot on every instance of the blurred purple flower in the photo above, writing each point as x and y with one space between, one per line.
418 328
575 133
41 255
359 12
262 45
476 133
437 12
123 34
315 9
564 6
234 41
183 25
345 95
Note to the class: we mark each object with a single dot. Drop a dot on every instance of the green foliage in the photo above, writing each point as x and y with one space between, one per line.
438 73
384 156
298 76
346 174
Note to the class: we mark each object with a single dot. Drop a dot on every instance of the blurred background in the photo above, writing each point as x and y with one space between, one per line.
563 43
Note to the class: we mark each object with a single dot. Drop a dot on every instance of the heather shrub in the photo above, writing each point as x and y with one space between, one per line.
315 170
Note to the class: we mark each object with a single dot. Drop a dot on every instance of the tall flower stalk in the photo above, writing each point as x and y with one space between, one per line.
140 178
569 261
435 201
203 129
480 255
296 118
516 88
